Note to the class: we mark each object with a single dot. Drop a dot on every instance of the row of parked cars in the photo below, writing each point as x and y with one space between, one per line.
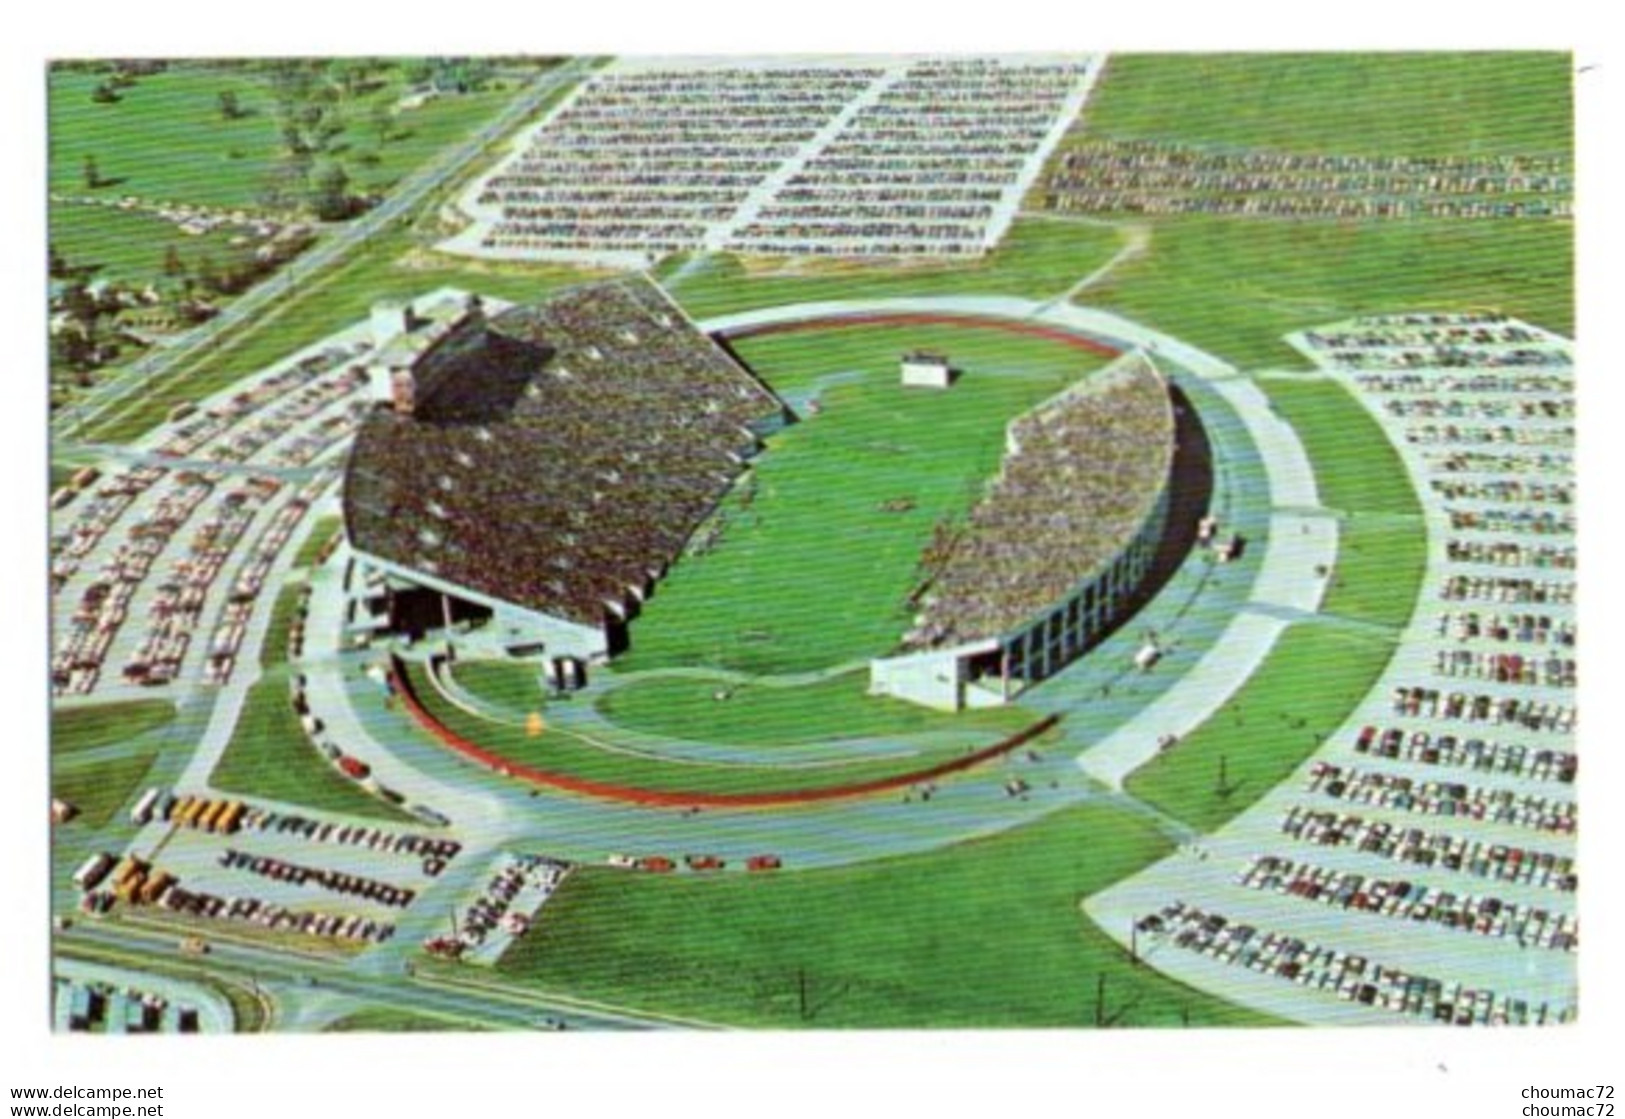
1485 755
1343 975
1443 798
1418 702
1484 859
333 880
435 852
1402 899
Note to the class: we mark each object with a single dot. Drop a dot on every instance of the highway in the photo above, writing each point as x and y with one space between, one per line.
138 376
290 977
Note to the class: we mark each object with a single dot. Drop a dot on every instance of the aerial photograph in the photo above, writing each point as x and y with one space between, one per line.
810 542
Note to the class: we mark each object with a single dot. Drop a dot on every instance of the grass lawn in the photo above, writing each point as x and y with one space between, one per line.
565 752
1234 286
816 569
269 756
98 789
275 649
985 933
762 715
513 686
1356 467
321 532
381 1019
167 140
130 246
75 729
1036 260
1382 547
1380 564
1302 692
1342 103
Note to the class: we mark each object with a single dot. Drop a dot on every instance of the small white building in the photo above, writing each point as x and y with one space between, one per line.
926 370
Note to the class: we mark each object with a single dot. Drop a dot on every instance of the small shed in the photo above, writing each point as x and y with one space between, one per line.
926 370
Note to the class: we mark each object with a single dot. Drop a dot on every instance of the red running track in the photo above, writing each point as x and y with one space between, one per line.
401 685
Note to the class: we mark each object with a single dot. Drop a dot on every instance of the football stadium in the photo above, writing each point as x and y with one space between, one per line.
695 542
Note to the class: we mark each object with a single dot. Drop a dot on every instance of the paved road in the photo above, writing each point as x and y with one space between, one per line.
291 977
411 191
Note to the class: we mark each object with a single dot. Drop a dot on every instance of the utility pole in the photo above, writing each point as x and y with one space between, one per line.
801 984
1100 999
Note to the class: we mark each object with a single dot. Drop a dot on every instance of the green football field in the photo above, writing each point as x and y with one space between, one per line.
811 572
821 547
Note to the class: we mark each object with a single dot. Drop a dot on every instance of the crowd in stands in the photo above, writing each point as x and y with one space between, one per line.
1162 177
1083 472
1383 789
923 160
1478 857
1404 900
1536 763
566 477
1343 975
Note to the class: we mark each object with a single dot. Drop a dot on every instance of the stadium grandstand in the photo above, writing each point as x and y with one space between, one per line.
1054 554
547 463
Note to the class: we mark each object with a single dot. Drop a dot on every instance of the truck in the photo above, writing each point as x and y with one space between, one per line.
142 812
92 871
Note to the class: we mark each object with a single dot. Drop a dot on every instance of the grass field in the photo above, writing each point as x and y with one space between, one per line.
1356 467
1036 260
512 686
564 752
760 715
1235 286
97 789
269 756
1343 103
986 933
212 161
817 570
1382 546
321 532
275 649
379 1019
1304 690
130 246
1380 564
75 729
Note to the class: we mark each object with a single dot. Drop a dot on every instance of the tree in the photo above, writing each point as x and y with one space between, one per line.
330 194
230 107
93 175
173 264
58 264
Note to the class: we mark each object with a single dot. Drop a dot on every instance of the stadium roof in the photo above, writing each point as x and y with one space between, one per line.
559 455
